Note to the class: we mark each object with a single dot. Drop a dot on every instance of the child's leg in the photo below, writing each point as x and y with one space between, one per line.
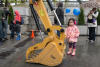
74 49
70 48
74 45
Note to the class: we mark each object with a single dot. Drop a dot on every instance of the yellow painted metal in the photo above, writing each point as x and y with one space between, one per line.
51 51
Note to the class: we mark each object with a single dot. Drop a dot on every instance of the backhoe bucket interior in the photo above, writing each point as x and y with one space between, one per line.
50 55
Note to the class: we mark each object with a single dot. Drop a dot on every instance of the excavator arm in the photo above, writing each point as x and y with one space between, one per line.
51 50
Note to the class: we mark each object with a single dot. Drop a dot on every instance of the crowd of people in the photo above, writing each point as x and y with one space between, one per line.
14 25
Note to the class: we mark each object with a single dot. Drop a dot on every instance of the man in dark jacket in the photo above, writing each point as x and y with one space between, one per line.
60 14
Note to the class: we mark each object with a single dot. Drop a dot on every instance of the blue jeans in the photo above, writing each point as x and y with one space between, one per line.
1 30
5 29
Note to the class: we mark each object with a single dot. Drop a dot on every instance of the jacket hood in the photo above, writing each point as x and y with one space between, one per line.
17 13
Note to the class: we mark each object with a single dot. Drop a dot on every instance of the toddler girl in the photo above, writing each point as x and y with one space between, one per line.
72 34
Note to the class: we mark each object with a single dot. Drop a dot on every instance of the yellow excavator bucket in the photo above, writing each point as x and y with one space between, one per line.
51 55
51 50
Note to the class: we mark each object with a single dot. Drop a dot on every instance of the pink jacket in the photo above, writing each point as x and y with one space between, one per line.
72 33
17 17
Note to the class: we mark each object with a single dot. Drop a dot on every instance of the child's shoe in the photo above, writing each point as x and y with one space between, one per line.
70 51
74 52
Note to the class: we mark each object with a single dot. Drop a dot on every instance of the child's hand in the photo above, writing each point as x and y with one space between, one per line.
70 41
76 36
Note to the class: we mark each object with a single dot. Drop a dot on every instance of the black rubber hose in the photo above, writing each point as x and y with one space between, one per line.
50 5
35 16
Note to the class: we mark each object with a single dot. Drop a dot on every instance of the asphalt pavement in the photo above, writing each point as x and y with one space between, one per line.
87 54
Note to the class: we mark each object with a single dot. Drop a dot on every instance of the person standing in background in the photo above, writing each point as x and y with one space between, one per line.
5 15
60 14
92 24
17 22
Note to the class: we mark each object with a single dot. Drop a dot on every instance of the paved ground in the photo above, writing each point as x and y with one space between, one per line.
88 55
10 42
